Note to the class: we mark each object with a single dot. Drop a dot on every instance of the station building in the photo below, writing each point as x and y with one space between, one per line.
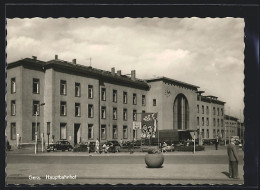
79 103
210 116
233 127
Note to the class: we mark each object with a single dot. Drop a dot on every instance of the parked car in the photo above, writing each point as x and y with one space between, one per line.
115 148
60 145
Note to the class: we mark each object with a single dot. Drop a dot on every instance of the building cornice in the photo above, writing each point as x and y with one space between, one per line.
174 82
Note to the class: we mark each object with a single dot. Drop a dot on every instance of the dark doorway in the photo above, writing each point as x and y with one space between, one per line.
76 134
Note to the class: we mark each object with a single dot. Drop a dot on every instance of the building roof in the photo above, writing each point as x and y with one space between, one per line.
229 117
80 69
211 99
173 81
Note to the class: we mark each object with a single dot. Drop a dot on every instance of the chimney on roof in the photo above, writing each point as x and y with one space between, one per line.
113 70
119 72
133 74
74 61
34 57
56 57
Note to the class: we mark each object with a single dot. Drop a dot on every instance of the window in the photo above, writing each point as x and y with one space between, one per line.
198 109
13 107
134 115
202 121
125 97
36 105
198 121
207 121
114 131
77 89
90 91
103 112
214 111
63 108
214 122
125 135
90 111
202 133
207 133
13 131
221 122
90 131
63 87
143 100
13 86
114 96
36 131
124 114
202 110
36 86
77 109
134 99
217 111
114 113
103 132
154 102
207 110
222 112
103 94
218 122
214 133
63 131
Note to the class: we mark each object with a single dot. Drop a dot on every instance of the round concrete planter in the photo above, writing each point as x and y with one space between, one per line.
154 160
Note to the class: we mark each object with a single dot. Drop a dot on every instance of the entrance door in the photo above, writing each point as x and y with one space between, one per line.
76 134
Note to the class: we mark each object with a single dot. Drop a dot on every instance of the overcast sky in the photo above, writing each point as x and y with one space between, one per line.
205 52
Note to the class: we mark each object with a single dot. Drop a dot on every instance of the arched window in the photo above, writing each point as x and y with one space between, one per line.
181 112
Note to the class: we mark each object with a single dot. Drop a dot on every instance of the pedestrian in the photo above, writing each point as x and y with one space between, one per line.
233 159
97 146
121 143
217 142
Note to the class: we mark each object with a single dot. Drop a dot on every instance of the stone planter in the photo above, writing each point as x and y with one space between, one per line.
154 160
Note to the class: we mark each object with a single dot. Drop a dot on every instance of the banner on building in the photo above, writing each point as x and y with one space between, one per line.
149 125
136 125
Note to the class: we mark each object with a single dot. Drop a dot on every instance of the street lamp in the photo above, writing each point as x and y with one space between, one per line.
48 132
36 126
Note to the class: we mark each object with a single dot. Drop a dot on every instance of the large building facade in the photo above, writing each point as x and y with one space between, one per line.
78 103
210 116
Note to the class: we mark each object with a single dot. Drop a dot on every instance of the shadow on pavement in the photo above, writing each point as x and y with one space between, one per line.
226 173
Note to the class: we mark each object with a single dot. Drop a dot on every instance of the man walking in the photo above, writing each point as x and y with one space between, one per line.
217 142
233 159
97 146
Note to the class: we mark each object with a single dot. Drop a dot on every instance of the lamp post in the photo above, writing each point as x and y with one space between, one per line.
36 126
48 131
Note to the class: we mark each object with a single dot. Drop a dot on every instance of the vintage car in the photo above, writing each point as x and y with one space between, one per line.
60 145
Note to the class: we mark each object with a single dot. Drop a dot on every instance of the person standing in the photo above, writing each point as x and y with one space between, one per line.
233 159
217 142
97 146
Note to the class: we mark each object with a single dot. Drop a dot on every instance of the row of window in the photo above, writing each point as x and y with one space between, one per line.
63 110
206 133
35 86
63 131
221 134
207 122
63 91
36 105
207 110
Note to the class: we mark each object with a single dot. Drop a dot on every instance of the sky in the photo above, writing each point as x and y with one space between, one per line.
206 52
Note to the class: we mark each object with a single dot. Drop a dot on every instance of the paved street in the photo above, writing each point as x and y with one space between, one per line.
205 167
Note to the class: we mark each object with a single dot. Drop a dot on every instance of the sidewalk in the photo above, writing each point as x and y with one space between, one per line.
208 151
123 173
